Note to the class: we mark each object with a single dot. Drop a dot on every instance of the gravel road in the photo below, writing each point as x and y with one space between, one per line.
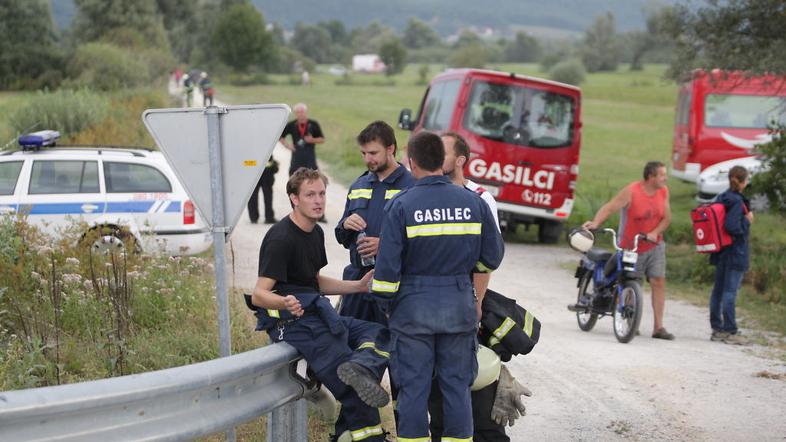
586 385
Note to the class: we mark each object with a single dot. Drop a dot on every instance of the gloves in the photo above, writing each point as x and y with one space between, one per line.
507 402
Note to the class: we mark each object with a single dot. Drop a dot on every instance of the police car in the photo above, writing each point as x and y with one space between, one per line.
125 194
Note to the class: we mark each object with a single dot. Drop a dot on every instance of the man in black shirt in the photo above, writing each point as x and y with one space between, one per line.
305 134
342 352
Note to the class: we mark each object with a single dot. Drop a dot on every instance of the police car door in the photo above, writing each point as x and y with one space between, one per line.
140 196
62 190
9 185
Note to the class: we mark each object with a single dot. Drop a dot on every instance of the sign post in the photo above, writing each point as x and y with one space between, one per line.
231 146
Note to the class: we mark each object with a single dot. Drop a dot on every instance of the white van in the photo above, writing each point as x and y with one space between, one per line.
119 191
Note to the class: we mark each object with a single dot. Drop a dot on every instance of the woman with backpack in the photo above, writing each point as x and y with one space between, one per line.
731 262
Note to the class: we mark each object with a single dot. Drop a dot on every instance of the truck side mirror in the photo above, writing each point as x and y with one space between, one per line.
405 119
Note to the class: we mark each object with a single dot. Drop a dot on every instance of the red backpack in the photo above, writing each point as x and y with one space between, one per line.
709 233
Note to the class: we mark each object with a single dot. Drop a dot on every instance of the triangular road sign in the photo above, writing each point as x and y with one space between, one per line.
248 136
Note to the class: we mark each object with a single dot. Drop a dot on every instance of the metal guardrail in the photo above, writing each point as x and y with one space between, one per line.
175 404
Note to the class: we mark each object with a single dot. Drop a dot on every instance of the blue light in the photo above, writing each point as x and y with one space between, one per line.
37 140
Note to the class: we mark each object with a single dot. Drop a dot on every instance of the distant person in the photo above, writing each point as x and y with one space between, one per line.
305 134
731 262
266 182
207 89
645 209
188 87
306 79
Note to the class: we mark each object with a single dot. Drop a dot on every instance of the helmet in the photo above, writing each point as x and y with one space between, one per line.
488 368
581 240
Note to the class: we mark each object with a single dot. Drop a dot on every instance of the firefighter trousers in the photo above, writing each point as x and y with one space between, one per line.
415 358
324 352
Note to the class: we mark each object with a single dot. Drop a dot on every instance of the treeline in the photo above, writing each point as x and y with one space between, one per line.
115 44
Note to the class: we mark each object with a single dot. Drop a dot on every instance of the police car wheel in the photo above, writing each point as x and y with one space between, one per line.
109 239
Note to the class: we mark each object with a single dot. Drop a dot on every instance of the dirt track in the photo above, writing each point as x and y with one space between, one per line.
586 385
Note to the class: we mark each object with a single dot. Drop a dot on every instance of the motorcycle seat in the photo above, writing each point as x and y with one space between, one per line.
595 254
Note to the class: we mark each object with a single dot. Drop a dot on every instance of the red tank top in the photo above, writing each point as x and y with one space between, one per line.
643 214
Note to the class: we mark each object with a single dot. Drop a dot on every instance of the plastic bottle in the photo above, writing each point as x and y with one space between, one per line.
365 261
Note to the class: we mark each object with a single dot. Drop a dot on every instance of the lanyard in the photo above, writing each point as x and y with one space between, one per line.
302 129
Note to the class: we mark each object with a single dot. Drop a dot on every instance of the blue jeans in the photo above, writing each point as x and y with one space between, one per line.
724 297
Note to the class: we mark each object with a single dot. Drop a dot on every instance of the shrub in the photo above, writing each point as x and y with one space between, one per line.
106 67
568 71
68 111
773 182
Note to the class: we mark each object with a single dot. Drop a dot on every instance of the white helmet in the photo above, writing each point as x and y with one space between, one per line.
488 368
581 240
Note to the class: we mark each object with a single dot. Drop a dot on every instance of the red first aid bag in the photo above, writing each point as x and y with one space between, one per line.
709 235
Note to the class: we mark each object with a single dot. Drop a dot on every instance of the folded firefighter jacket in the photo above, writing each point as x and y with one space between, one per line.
312 302
506 327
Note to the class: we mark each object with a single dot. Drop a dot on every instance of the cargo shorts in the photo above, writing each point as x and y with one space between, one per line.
652 263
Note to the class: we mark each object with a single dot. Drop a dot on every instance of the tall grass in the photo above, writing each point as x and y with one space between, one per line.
68 314
68 111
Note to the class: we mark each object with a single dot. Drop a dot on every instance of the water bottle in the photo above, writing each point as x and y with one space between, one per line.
365 261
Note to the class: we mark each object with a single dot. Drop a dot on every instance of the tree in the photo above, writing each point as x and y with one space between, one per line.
313 42
28 50
471 55
654 37
393 53
419 35
523 49
600 50
240 39
369 39
730 34
97 18
338 33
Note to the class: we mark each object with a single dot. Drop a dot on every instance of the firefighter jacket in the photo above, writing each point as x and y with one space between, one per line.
435 235
367 197
312 302
506 327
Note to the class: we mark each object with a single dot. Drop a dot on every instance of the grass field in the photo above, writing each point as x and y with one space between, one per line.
627 120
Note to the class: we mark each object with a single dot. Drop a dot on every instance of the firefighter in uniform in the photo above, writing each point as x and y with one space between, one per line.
363 211
434 236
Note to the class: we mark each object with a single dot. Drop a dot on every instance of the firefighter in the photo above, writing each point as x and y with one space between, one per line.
434 236
363 211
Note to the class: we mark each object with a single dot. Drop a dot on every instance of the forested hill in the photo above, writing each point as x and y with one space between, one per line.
446 16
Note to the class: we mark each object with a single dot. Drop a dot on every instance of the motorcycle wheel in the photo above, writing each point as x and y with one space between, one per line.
586 320
627 316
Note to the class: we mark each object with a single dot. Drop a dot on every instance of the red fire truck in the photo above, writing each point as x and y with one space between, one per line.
721 116
524 134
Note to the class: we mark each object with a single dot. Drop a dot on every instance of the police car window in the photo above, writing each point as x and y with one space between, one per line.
439 105
134 178
64 177
9 173
520 115
743 111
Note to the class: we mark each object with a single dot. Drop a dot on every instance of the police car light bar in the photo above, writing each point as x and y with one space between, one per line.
37 140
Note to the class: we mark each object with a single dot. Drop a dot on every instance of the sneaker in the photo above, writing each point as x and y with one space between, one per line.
364 383
718 335
663 334
735 339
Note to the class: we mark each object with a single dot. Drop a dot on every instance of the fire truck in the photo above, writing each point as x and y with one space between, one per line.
524 135
723 115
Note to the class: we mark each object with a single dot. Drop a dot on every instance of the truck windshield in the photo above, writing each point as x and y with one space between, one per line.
744 111
520 115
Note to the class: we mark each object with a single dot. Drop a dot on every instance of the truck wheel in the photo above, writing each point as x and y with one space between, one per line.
109 238
549 231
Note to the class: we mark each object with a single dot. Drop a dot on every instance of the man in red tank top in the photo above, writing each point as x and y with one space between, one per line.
645 209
